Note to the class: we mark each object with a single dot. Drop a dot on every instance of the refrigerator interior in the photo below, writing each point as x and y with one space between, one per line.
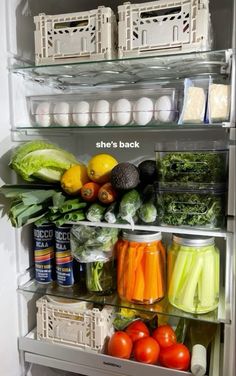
16 245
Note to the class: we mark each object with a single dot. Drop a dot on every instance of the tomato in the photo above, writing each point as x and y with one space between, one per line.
176 356
120 345
136 330
146 350
164 335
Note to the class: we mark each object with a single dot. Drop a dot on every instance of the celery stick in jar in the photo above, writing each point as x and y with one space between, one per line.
189 290
177 276
217 272
207 298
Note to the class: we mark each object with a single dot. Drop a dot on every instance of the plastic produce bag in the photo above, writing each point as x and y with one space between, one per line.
89 244
194 104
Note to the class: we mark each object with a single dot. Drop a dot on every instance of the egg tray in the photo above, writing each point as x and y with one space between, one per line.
112 108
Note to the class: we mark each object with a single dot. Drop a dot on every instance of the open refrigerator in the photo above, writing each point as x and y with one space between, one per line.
21 353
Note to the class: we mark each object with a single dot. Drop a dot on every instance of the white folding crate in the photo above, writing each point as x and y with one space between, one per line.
163 27
71 324
75 37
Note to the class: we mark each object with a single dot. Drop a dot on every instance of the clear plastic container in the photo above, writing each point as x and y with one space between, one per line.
117 107
188 164
193 273
199 208
101 277
141 260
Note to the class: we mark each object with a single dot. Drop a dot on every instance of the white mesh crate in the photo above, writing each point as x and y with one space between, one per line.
70 324
163 27
75 37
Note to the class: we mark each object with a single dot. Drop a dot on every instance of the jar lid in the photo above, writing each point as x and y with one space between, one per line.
191 241
141 236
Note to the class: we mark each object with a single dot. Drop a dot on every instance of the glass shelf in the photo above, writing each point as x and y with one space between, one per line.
129 71
163 307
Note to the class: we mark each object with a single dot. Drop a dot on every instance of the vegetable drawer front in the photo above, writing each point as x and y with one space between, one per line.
70 358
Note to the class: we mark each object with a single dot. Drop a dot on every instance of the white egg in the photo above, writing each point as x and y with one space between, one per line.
122 111
143 111
61 113
81 113
43 116
101 113
164 109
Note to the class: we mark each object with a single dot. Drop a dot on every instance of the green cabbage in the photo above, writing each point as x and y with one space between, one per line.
41 160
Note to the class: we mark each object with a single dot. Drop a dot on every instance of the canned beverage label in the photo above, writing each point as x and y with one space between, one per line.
44 253
64 259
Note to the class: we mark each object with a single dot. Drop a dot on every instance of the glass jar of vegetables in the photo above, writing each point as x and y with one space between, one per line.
101 277
141 267
193 273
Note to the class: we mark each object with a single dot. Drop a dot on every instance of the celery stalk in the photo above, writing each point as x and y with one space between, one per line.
187 298
177 274
217 273
208 280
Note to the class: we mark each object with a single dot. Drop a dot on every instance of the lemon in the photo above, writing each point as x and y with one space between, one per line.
74 178
100 166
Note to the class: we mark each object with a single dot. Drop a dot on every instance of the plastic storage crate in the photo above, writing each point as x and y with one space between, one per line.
75 37
72 324
163 27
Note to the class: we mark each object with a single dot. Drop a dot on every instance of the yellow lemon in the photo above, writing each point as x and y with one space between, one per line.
74 178
100 166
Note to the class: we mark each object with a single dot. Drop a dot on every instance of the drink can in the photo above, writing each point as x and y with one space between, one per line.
44 253
64 259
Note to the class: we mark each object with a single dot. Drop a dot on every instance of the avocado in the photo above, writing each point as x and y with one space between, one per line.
124 176
147 171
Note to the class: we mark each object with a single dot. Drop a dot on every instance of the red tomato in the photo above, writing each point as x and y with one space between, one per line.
164 335
146 350
136 330
120 345
176 356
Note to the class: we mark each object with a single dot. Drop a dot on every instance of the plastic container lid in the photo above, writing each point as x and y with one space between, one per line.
191 241
191 146
141 236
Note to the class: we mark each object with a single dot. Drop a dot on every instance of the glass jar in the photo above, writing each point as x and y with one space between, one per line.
101 277
193 273
141 260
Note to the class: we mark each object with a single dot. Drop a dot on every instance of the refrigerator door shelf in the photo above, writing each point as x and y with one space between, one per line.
93 364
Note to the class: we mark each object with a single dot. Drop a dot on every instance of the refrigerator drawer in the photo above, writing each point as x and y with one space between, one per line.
93 364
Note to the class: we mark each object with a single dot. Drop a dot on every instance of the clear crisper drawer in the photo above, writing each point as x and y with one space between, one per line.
109 107
198 208
200 165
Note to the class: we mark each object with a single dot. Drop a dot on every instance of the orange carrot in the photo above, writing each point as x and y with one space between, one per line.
160 277
121 249
131 256
139 284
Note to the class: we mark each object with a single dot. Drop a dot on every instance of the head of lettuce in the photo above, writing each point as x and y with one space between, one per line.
41 160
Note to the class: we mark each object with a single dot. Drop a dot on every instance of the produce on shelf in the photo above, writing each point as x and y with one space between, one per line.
32 205
136 330
189 168
89 191
95 213
147 212
41 160
125 176
129 204
100 166
200 208
101 277
107 194
148 171
89 244
120 345
165 336
193 277
74 178
176 356
111 213
146 350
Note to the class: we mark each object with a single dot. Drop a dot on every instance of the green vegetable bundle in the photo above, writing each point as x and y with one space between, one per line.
38 204
204 209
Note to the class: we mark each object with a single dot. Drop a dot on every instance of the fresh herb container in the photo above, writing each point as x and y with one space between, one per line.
200 208
188 164
101 277
193 273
